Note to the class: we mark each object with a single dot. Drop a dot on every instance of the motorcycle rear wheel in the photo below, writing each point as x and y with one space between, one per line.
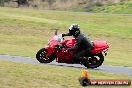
41 56
94 61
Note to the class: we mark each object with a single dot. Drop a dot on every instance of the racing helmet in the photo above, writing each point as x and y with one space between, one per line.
74 30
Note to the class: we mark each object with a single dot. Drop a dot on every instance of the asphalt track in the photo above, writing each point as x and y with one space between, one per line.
105 68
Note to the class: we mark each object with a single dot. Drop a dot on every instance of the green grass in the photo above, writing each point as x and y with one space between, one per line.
24 31
19 75
121 8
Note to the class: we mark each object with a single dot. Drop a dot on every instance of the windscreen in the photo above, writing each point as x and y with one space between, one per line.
58 38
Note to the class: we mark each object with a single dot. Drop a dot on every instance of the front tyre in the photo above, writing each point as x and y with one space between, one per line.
41 56
94 61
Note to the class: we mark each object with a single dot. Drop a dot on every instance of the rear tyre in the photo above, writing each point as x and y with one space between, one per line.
41 56
94 61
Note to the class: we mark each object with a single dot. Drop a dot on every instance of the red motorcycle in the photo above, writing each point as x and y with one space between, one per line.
57 46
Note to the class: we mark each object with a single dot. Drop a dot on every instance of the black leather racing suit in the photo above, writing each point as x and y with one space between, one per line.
81 42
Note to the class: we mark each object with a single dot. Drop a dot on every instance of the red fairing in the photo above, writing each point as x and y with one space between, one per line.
99 46
64 57
53 43
70 42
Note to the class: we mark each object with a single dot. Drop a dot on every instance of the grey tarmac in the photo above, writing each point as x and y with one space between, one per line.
105 68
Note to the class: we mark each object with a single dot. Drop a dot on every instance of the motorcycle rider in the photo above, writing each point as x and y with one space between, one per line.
81 42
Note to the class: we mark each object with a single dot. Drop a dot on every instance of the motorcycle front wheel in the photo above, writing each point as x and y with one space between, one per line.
41 56
94 61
